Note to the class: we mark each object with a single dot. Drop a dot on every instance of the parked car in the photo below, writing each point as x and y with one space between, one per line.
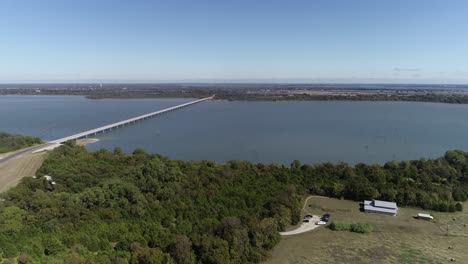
305 220
325 217
321 223
309 216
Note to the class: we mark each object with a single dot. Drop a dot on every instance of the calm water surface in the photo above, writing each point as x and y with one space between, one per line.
256 131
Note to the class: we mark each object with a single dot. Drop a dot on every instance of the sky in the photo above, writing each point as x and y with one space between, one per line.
359 41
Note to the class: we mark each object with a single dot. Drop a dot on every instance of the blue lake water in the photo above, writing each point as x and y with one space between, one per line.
257 131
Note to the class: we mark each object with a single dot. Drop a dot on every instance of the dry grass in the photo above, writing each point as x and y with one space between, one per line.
396 239
13 170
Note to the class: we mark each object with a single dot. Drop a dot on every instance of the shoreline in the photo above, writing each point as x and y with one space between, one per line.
86 141
282 98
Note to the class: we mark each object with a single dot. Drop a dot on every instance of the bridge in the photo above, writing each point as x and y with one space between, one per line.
55 143
123 123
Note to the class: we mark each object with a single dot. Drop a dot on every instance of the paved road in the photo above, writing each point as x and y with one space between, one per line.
24 151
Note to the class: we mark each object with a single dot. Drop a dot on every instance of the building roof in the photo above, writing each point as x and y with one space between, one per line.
380 206
385 204
368 207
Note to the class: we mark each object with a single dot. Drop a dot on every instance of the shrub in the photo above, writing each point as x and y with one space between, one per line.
362 228
140 151
459 207
52 246
8 250
123 245
355 227
340 226
451 208
24 258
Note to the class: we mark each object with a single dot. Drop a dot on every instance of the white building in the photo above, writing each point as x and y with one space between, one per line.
380 207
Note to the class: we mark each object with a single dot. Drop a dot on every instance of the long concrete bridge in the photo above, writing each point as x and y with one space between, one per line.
123 123
55 143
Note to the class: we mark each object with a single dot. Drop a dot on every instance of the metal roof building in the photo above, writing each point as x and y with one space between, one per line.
381 207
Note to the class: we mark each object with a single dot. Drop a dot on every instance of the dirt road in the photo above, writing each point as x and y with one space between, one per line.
305 227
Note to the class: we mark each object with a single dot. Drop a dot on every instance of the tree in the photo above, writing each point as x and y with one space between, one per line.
214 250
181 250
24 258
451 208
443 207
70 143
265 234
118 151
295 165
456 158
140 151
74 258
165 210
231 230
150 256
12 220
52 245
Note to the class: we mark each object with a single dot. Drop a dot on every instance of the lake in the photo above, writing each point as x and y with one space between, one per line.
280 132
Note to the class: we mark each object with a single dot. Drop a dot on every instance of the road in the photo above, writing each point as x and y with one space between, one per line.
305 227
25 151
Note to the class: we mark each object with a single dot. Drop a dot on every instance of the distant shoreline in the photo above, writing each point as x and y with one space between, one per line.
451 94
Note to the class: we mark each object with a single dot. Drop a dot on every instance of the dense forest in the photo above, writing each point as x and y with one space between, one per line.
111 207
9 142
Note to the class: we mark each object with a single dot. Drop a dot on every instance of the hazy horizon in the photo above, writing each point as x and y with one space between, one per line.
235 82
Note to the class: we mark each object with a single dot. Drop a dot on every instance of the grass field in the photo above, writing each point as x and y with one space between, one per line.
395 239
12 171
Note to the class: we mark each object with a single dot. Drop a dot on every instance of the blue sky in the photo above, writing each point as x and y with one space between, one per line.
396 41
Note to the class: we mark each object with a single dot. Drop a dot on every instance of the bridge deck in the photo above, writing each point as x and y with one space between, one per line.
126 122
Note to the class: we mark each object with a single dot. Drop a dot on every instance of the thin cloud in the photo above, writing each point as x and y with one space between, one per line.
406 69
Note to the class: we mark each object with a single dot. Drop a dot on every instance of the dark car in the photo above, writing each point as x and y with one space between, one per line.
309 216
325 217
305 220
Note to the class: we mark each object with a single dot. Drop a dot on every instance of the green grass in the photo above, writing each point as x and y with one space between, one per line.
410 256
395 239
